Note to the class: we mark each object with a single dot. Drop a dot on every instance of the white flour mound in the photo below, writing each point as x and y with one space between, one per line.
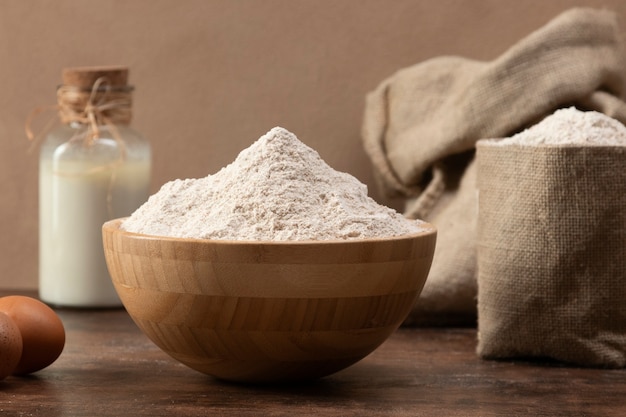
278 189
571 127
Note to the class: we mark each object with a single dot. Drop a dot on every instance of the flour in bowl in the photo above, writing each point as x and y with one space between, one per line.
278 189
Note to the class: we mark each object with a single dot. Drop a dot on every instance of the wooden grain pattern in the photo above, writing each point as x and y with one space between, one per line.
110 369
273 311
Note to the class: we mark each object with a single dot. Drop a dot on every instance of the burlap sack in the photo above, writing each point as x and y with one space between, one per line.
421 125
552 253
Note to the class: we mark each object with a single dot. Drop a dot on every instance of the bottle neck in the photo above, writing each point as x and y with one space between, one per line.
97 106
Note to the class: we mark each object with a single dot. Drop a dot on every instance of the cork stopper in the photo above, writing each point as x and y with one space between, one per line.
85 77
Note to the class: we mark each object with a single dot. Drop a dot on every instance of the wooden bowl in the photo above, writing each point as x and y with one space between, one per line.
267 311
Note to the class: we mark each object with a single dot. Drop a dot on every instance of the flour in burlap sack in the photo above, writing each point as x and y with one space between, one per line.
571 127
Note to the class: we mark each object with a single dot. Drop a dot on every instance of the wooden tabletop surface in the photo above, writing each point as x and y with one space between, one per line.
109 368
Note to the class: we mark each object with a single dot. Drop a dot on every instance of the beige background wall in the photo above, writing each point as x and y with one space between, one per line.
212 76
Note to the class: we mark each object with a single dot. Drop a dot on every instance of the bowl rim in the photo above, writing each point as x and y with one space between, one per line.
114 226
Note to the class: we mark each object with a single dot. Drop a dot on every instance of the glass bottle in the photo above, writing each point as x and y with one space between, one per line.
92 168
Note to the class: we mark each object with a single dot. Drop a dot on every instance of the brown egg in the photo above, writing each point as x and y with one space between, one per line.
10 346
43 334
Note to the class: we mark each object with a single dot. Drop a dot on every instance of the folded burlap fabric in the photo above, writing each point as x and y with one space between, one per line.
421 125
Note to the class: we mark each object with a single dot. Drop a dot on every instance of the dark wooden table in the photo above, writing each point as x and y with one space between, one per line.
109 368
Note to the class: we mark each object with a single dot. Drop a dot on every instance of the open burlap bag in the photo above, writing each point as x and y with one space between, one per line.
552 253
421 125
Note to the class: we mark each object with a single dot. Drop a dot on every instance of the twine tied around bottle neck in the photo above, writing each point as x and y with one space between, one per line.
95 107
103 105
